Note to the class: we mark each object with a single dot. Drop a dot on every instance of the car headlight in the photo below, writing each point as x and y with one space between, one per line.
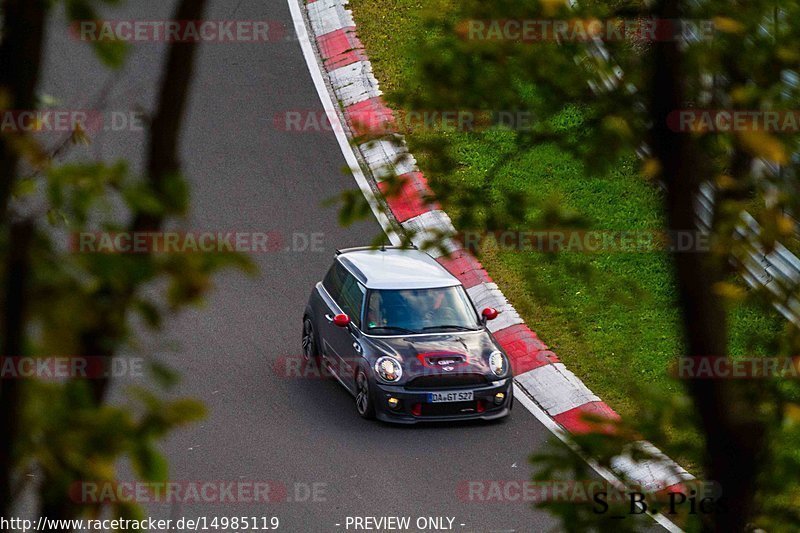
498 363
388 369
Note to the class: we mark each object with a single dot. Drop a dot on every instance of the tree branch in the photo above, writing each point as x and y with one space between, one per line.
162 164
104 337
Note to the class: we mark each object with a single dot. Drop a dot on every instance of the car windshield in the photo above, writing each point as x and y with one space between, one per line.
397 312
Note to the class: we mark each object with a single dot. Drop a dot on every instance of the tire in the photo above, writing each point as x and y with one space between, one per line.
309 342
364 404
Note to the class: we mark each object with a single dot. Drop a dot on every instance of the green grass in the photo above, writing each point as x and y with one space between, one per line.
612 317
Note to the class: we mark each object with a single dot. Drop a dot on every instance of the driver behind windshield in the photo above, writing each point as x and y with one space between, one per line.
419 310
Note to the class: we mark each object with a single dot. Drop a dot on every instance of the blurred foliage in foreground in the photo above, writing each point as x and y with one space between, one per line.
748 431
58 302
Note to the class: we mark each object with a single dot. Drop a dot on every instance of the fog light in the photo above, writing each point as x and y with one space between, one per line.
499 398
393 403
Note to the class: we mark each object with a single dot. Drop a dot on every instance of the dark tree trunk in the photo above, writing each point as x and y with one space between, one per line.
734 435
20 57
16 274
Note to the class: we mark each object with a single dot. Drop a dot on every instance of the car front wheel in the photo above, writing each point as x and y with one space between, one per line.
364 403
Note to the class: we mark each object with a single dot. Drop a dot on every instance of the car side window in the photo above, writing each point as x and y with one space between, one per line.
334 280
352 299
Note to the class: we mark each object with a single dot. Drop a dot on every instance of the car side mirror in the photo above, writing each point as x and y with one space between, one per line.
490 313
341 320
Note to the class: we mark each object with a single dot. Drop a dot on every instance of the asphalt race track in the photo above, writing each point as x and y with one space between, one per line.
247 175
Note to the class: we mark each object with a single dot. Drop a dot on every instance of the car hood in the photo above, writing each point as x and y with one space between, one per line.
439 353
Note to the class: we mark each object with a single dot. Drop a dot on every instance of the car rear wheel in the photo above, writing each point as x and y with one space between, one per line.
364 403
310 351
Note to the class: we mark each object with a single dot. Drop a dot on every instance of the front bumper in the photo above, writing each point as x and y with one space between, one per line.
414 406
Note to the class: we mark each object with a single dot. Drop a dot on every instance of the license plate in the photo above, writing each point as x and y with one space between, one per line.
455 396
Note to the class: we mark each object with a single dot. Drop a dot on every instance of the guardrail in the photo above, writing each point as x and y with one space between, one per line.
777 270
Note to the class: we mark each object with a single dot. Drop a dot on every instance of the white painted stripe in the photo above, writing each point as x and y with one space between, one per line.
315 69
486 295
326 16
653 474
555 388
432 231
388 157
521 397
354 83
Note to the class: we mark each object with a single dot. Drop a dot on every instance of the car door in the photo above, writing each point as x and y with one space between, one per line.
341 348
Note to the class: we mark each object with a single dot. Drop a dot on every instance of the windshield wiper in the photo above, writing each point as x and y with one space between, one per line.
395 328
450 326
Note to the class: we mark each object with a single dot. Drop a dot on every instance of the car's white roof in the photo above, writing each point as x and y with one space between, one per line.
396 268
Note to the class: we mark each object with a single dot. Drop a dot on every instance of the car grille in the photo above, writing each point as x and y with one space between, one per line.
448 408
445 381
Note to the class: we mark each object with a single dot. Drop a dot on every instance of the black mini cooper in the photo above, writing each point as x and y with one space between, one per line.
402 335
